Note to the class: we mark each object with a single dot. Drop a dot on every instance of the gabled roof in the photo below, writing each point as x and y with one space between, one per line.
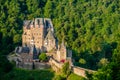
22 50
26 22
50 35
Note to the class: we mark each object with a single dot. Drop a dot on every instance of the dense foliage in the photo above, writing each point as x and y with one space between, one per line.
21 74
66 69
91 28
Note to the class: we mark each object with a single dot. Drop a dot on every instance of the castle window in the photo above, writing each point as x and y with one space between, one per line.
24 33
46 43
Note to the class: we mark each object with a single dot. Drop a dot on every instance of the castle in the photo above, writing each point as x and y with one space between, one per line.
38 36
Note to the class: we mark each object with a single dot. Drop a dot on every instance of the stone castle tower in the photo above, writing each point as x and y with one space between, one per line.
40 32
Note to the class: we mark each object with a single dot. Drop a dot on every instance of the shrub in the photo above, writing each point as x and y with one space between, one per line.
43 57
66 69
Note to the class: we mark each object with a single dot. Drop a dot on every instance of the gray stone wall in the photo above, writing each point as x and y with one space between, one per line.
39 65
25 65
31 65
81 71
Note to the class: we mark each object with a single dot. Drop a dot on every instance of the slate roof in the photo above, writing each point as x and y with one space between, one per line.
26 22
22 50
32 22
36 21
27 53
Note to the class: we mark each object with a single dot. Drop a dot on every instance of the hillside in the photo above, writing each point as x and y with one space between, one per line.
91 28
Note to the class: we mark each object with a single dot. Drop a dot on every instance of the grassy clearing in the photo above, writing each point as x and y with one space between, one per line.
73 76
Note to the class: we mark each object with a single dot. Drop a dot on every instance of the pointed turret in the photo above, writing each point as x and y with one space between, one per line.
63 44
50 34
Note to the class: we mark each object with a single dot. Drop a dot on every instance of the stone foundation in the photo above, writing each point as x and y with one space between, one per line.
31 65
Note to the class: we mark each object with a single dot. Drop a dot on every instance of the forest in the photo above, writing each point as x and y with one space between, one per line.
90 28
